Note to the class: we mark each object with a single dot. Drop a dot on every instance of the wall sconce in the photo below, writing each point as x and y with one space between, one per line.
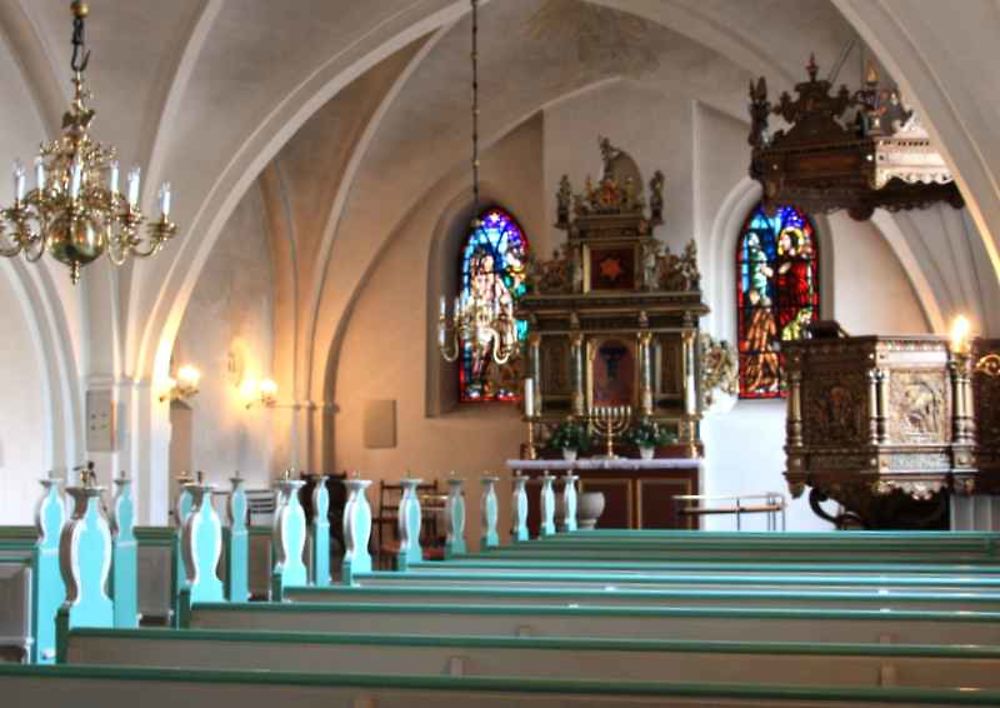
263 393
184 386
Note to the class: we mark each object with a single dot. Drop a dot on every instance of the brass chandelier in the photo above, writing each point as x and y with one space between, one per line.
482 322
76 211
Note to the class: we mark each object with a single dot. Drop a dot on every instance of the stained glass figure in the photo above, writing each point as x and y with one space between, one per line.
777 269
493 269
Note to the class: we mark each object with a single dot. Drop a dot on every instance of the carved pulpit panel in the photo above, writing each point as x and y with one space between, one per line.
919 406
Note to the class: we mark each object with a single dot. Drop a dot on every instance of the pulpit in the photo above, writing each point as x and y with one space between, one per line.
887 426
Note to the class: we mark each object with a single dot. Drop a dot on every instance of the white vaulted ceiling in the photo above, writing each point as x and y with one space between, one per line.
214 94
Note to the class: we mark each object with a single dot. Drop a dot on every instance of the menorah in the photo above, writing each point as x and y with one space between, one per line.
610 421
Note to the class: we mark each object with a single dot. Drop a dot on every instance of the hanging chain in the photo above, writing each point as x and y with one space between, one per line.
78 63
475 106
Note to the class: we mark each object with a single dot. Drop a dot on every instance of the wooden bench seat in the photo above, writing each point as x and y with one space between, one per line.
16 632
168 688
708 623
611 659
489 591
942 578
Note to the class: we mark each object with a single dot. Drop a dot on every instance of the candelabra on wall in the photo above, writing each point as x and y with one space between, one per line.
76 212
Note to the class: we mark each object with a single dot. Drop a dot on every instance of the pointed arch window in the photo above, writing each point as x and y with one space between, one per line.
492 269
777 294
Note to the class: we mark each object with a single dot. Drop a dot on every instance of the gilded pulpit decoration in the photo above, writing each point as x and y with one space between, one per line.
986 406
857 150
882 425
615 312
719 369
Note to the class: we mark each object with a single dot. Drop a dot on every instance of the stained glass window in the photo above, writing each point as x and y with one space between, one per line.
777 294
493 263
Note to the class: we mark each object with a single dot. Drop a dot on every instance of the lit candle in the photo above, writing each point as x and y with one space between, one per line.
134 177
529 397
165 199
444 307
960 329
113 177
39 174
18 181
76 178
441 334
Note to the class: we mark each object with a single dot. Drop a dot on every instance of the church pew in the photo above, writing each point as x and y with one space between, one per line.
16 634
746 574
167 688
613 660
404 588
778 549
545 620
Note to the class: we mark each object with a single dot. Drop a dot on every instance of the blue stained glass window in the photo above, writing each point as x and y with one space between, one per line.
777 294
493 266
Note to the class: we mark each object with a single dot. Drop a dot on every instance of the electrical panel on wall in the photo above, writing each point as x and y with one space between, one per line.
101 422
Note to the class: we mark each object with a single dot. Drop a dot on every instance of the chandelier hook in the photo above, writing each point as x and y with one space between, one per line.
79 63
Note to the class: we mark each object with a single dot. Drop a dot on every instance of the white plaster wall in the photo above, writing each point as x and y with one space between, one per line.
655 129
231 310
23 424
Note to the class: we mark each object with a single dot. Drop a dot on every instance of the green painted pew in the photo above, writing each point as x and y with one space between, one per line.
798 567
17 635
167 688
610 659
728 554
403 588
542 620
984 576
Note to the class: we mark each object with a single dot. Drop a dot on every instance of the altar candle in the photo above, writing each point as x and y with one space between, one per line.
529 397
39 174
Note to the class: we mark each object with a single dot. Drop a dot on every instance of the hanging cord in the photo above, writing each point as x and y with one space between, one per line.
78 63
475 106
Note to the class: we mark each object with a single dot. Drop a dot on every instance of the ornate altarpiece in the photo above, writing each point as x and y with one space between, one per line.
614 317
887 426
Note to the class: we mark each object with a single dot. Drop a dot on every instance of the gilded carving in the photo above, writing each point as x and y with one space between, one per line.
919 408
834 408
719 369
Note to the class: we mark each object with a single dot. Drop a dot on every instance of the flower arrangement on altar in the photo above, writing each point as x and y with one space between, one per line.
647 435
570 436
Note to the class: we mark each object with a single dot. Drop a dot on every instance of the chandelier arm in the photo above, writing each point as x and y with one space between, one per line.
34 249
15 247
154 248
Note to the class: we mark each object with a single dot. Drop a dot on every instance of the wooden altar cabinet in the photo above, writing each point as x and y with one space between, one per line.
613 317
637 493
